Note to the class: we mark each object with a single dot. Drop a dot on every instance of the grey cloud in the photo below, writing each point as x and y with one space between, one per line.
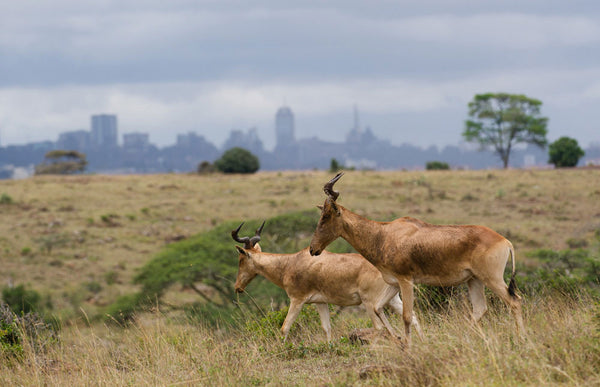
213 65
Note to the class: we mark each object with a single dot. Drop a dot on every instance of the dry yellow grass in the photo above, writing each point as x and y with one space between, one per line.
562 349
102 228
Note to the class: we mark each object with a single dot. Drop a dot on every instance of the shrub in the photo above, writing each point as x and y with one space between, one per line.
122 311
206 167
575 243
6 199
436 165
50 241
567 271
237 160
111 277
109 220
21 300
469 198
15 330
10 340
565 152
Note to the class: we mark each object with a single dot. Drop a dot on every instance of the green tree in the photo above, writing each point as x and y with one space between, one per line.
62 162
501 120
565 152
436 165
335 166
237 160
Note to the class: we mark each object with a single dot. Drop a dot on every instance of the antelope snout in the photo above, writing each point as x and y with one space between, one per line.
239 290
314 252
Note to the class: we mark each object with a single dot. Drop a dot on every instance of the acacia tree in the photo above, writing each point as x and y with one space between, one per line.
501 120
62 162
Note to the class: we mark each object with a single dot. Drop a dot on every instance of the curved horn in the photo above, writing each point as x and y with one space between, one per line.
234 235
328 188
247 241
256 238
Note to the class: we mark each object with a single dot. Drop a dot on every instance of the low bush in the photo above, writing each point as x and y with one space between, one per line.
123 310
567 271
436 165
28 328
21 300
6 199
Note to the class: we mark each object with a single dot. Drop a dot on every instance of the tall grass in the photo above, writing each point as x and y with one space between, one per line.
562 348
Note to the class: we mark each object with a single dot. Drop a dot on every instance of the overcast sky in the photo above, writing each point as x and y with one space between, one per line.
411 67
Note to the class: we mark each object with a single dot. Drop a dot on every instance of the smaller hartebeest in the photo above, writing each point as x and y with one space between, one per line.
409 251
339 279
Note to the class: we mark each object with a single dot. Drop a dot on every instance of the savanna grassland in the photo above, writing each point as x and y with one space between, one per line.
80 240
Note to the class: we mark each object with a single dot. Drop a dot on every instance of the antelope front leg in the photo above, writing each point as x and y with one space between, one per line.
408 297
396 305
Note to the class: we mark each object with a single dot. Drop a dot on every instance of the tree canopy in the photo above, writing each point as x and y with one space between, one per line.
237 160
501 120
565 152
62 162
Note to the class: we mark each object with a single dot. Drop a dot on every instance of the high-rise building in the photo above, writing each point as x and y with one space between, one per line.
354 136
104 131
284 128
137 141
75 140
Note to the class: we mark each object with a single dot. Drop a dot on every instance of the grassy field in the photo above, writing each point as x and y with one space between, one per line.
79 240
562 349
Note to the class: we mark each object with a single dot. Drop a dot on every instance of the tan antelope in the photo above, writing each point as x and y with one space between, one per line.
409 251
339 279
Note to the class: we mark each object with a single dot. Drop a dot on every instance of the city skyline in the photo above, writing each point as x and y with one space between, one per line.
361 148
210 67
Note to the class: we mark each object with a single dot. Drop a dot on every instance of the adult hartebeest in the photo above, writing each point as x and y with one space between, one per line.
339 279
408 251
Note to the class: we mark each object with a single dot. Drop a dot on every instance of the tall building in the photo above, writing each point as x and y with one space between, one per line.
355 134
284 128
104 131
75 140
138 141
247 140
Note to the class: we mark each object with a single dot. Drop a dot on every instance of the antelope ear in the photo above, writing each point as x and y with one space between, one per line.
320 207
242 251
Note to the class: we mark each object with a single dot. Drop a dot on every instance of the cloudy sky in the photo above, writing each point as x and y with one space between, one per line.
411 67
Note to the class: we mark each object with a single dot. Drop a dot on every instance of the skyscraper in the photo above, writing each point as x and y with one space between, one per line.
104 131
284 128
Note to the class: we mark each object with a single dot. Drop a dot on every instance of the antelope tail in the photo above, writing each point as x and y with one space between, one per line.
512 286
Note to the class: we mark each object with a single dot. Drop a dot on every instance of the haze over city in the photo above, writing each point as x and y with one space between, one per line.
210 67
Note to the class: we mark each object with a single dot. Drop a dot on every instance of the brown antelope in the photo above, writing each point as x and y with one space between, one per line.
339 279
408 251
